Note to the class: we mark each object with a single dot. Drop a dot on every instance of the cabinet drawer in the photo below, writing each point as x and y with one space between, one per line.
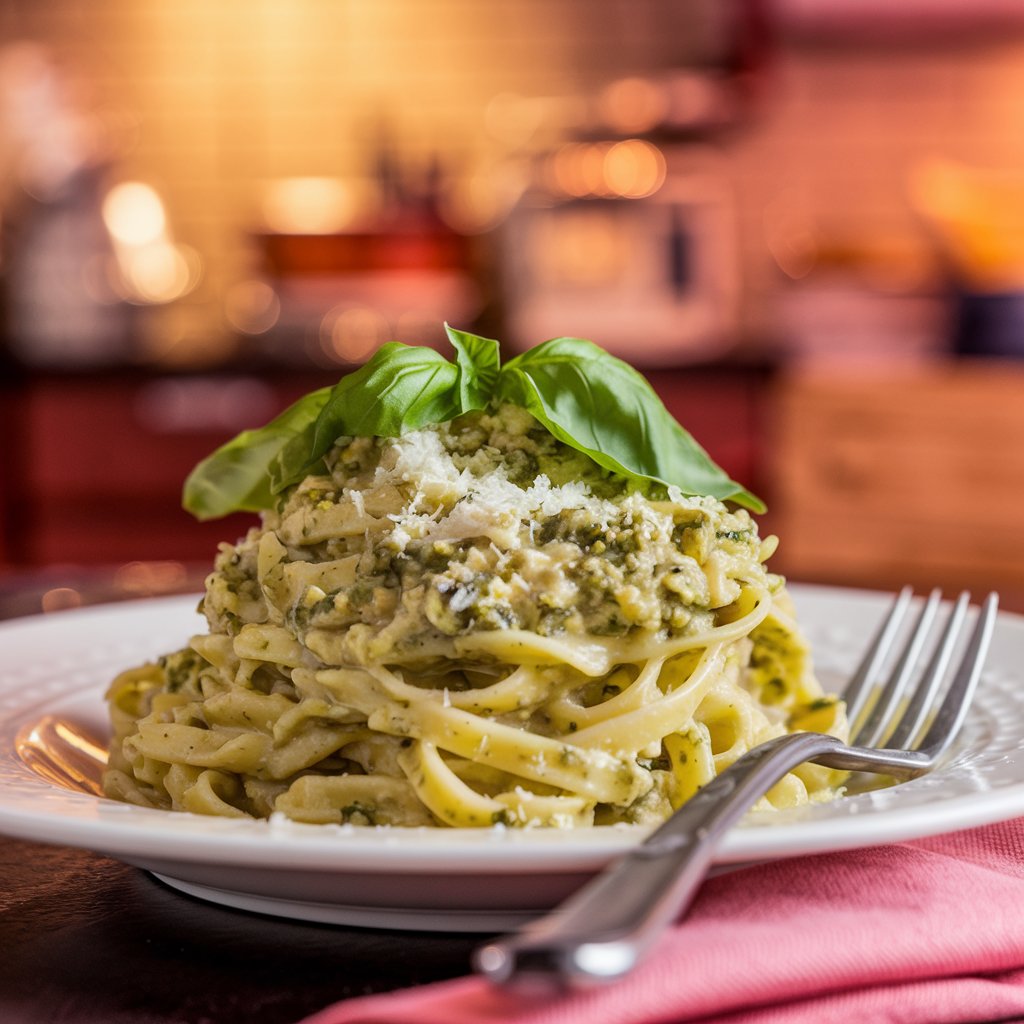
124 438
918 475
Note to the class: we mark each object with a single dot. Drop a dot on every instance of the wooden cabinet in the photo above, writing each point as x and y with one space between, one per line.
95 463
872 479
911 476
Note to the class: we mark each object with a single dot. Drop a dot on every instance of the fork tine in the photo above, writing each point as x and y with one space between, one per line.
858 687
872 730
924 696
953 709
602 931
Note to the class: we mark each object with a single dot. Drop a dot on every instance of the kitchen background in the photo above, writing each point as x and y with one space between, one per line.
803 219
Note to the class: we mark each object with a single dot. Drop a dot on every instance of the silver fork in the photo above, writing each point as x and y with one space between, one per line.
602 931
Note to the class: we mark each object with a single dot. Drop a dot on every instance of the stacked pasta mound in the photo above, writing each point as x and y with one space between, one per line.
469 625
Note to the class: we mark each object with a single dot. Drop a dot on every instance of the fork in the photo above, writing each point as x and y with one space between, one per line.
601 932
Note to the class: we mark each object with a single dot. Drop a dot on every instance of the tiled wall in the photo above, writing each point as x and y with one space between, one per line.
841 134
212 99
230 93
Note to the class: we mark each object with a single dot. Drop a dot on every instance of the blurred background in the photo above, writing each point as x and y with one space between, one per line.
802 219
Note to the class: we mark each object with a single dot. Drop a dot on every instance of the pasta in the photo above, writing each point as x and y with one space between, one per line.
469 625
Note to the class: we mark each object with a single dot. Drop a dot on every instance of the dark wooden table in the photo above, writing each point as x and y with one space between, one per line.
88 940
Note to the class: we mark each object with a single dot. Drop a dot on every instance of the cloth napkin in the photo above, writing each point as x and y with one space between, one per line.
930 931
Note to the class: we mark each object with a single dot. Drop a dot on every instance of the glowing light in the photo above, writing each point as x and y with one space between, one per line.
630 169
252 307
633 104
578 168
308 206
483 199
634 168
134 214
591 169
151 268
157 273
352 334
59 598
150 577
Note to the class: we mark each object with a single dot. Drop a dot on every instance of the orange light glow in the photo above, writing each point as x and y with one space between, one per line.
633 104
630 169
60 598
150 577
566 170
308 206
134 214
634 168
157 273
252 307
352 334
151 268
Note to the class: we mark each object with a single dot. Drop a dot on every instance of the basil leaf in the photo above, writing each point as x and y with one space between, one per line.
236 477
601 406
401 388
478 360
585 397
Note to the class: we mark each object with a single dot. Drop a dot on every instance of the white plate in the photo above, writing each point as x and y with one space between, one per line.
57 667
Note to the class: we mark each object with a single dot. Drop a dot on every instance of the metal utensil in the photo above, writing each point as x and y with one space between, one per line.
602 931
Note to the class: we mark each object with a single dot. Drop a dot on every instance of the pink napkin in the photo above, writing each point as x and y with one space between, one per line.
930 931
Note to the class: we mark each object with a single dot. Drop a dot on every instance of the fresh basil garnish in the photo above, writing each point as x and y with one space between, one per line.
401 388
601 406
479 363
236 477
585 397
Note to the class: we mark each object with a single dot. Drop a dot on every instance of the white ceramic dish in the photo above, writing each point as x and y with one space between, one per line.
55 669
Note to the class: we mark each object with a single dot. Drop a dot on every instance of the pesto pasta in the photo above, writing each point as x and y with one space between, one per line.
473 624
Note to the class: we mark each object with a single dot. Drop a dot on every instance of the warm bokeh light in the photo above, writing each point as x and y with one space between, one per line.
634 169
158 272
252 307
630 169
134 214
565 170
483 199
308 206
143 578
579 168
633 104
60 598
150 267
976 215
581 249
352 334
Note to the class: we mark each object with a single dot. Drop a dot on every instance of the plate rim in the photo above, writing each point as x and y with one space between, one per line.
123 831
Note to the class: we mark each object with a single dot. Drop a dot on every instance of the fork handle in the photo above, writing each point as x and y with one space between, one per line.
602 931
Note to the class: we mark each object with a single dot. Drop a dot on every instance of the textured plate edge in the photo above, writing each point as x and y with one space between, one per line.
448 921
514 853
